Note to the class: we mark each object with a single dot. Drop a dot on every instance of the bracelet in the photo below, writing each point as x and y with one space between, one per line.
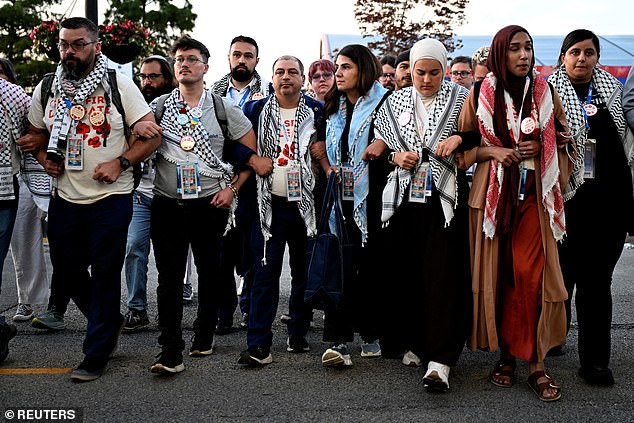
233 189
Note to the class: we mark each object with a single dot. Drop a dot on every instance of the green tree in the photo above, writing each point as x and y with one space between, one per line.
400 23
166 20
17 19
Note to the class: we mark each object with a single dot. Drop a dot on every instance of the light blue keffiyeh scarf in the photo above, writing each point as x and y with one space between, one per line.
358 140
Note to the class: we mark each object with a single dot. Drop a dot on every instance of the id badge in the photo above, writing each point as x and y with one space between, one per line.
75 153
188 184
418 185
429 179
522 189
6 180
589 158
347 194
293 183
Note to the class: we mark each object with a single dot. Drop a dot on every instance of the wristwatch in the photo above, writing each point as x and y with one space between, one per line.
390 158
123 162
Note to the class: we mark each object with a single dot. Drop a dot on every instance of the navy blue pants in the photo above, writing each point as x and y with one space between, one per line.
83 236
287 226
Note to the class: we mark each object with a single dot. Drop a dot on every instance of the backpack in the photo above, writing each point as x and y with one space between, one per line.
47 85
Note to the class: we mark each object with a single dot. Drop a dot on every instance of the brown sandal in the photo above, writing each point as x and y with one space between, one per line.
540 388
503 368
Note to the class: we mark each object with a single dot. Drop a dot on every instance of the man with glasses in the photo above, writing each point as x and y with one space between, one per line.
194 189
155 79
91 159
460 71
388 64
241 84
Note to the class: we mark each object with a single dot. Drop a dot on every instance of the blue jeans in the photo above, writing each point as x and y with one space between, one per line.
137 252
287 226
83 236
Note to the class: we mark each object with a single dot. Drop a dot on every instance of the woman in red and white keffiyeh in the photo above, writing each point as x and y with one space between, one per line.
516 210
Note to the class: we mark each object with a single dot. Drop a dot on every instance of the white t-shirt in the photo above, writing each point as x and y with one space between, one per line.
77 186
285 156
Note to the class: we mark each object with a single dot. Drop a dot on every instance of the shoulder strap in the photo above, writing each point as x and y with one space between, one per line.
160 108
221 114
116 98
47 85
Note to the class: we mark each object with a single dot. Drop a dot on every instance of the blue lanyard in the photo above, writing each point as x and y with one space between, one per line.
244 97
588 101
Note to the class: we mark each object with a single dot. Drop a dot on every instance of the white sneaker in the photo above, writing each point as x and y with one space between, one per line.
23 313
410 359
437 377
336 356
371 349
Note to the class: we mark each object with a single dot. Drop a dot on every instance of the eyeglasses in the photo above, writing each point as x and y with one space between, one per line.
191 60
75 45
461 74
150 76
317 76
387 75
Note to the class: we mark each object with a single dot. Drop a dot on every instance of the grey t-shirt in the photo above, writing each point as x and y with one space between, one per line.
165 178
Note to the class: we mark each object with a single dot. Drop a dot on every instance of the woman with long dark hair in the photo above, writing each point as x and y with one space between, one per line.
517 215
350 105
599 203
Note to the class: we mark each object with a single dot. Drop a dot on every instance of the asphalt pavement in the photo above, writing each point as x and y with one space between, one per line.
295 387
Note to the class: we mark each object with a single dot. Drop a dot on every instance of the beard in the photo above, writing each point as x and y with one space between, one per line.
76 68
150 93
241 74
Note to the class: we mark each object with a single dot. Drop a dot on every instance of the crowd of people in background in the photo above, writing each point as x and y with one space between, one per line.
469 183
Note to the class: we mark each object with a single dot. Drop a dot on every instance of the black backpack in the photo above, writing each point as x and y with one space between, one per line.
47 85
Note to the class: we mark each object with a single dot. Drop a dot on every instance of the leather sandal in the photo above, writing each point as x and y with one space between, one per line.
503 368
540 388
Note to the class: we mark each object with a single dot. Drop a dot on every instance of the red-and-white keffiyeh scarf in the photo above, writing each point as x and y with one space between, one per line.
552 199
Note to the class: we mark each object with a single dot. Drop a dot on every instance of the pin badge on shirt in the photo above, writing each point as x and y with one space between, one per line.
77 112
528 125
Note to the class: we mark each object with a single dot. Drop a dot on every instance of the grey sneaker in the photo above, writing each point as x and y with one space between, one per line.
23 313
188 293
371 349
411 360
49 320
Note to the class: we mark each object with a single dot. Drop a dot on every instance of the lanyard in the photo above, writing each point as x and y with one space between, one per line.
588 101
515 125
244 97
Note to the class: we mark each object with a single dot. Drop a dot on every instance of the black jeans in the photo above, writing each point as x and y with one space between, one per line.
175 225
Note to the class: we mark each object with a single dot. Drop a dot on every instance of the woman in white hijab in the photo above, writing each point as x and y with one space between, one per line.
424 206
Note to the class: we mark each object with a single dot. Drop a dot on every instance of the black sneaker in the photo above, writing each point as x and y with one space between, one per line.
200 349
297 344
595 375
168 363
135 320
91 368
7 332
224 328
285 318
256 357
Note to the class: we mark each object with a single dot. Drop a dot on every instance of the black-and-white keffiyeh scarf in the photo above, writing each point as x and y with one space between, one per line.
269 127
15 105
211 166
72 93
442 120
221 87
608 88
